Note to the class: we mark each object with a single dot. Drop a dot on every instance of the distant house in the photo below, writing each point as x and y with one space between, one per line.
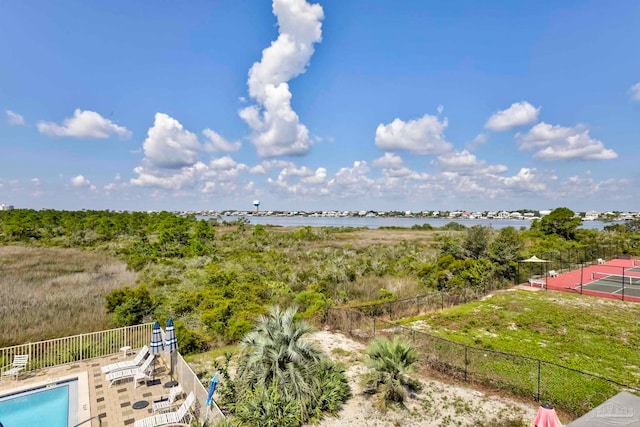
503 215
591 215
4 207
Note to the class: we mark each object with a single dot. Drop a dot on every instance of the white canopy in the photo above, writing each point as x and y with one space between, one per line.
534 259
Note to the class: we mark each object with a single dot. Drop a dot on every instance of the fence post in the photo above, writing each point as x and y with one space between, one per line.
374 327
539 377
466 362
442 303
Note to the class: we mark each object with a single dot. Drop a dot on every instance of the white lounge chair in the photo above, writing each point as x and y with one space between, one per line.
181 417
167 403
115 376
553 273
127 364
19 364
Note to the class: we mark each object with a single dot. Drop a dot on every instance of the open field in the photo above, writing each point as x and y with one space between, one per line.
364 238
52 292
595 335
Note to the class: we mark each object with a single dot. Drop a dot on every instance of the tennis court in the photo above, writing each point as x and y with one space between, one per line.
617 284
636 267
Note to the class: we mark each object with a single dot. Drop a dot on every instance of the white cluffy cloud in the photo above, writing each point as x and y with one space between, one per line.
169 145
422 136
218 143
14 118
518 114
171 160
465 163
635 91
81 182
276 127
84 124
563 143
388 161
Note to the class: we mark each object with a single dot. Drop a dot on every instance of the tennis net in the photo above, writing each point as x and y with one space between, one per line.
618 279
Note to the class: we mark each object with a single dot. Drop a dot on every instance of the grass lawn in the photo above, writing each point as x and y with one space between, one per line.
588 334
594 335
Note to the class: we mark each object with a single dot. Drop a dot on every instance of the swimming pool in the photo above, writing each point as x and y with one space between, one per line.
51 405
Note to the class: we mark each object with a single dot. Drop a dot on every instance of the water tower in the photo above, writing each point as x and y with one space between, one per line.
256 203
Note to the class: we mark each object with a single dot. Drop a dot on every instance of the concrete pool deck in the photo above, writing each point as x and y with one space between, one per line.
114 404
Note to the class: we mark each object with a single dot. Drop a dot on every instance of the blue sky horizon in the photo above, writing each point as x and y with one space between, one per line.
327 105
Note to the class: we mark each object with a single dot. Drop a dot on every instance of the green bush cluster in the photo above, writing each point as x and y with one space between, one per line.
217 278
282 380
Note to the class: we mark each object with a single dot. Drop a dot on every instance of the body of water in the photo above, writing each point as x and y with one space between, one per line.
375 222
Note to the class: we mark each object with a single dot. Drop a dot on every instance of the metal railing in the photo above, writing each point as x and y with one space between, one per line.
189 382
61 351
97 417
571 390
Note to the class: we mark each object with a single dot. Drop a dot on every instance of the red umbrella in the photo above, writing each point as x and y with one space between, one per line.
547 417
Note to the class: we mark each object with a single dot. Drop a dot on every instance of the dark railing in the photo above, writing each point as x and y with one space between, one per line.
97 417
571 390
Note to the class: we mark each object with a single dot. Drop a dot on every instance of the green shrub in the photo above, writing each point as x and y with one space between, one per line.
189 340
391 362
129 306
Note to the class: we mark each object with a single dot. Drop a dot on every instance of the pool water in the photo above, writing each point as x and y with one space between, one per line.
36 408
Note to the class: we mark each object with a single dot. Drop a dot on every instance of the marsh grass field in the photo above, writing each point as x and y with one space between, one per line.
52 292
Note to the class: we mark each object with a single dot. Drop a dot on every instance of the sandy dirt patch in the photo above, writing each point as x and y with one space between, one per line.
438 404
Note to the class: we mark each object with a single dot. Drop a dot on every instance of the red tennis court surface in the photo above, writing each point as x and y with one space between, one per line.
581 281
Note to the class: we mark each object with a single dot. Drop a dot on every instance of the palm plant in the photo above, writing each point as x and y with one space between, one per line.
275 352
391 362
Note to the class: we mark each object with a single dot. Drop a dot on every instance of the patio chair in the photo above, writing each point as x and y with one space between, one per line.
181 417
19 364
167 402
115 376
553 273
127 364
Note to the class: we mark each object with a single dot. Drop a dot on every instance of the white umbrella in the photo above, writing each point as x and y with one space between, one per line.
171 342
157 344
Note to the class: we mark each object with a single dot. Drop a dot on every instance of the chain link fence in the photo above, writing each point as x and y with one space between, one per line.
571 390
574 258
413 306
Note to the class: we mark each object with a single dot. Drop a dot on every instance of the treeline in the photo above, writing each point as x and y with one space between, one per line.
216 278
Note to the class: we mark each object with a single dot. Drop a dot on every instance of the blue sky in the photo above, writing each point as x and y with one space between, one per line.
344 105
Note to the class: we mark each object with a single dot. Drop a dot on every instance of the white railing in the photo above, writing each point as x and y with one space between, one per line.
189 381
60 351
